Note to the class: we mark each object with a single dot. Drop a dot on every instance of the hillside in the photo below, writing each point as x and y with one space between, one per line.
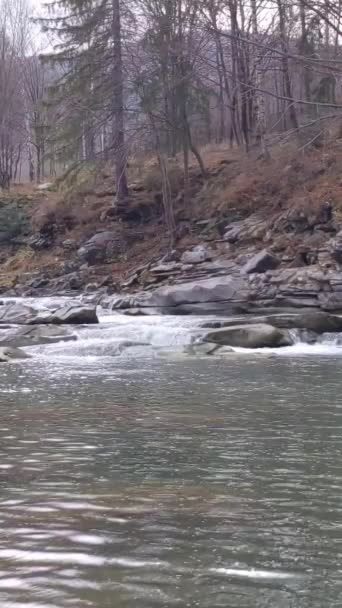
72 237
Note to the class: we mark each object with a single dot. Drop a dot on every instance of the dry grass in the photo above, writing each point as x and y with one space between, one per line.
288 179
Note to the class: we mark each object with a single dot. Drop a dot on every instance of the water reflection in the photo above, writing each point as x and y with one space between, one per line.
171 484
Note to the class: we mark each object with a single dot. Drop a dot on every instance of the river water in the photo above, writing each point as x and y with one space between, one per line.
135 480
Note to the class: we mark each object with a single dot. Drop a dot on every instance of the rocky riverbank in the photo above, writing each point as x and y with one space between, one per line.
255 238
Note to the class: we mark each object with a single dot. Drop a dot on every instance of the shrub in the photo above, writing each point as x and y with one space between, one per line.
14 221
152 181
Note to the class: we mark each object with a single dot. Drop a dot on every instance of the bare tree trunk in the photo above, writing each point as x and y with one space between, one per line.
231 100
285 66
303 48
195 151
254 17
118 106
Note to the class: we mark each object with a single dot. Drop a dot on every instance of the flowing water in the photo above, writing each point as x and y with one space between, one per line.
130 480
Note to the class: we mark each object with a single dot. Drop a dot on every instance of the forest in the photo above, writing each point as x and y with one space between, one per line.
106 80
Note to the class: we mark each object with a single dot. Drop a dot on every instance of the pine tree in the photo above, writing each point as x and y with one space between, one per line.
90 88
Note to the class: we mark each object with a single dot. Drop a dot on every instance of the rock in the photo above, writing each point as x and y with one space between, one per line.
196 256
331 301
46 236
232 234
193 296
39 283
103 247
293 220
69 245
335 247
223 351
250 336
166 269
252 228
91 288
16 314
76 282
172 256
315 321
35 335
8 353
325 213
318 322
261 262
69 315
202 349
120 347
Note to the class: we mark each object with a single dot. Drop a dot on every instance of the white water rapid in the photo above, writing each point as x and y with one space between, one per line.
124 335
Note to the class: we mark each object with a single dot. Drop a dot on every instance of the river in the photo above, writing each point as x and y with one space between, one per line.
141 481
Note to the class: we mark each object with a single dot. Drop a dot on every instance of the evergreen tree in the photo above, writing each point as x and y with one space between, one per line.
89 89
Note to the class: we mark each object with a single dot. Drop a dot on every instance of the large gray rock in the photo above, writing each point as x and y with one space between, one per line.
33 335
102 247
250 336
317 321
331 301
8 353
17 314
261 262
252 228
209 293
69 315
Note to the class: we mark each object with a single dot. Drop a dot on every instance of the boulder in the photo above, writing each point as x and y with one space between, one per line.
233 232
193 296
17 314
250 336
102 247
331 301
35 335
198 255
315 321
8 353
261 262
69 315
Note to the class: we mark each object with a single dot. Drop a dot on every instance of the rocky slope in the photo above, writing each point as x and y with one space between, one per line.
253 236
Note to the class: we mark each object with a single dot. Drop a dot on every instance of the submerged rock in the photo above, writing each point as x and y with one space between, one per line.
8 353
202 349
35 335
196 350
250 336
